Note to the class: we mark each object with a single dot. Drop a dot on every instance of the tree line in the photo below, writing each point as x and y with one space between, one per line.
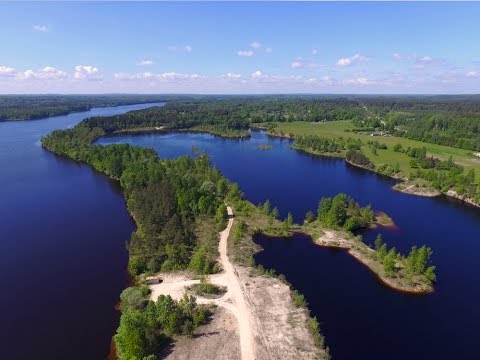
417 262
32 107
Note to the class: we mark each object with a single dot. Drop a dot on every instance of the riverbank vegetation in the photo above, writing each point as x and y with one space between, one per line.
32 107
435 167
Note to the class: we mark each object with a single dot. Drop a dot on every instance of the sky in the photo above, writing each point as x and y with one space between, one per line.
240 47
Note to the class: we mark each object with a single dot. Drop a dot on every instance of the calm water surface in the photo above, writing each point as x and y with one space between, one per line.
63 261
360 317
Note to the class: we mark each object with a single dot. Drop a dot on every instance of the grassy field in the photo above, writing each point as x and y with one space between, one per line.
336 129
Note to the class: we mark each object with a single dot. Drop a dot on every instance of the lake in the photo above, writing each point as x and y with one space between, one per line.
63 229
361 318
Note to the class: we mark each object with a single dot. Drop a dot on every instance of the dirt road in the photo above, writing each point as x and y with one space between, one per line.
233 300
240 309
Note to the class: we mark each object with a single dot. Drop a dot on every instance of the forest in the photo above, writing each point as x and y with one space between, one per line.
32 107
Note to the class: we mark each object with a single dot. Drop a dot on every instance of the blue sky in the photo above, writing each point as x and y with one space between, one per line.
262 47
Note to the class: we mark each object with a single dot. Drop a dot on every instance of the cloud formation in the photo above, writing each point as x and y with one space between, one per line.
245 53
152 76
351 60
46 73
6 71
145 62
300 64
40 28
87 72
357 81
186 48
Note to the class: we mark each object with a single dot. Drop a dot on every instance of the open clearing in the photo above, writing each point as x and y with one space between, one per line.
337 128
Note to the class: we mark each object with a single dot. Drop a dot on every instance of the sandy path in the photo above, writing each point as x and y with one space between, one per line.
242 312
233 300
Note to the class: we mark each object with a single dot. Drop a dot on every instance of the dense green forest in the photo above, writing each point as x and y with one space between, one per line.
32 107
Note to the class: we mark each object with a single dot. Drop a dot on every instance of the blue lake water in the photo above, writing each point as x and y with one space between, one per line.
63 229
360 318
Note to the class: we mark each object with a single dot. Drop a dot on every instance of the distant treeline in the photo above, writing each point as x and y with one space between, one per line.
32 107
446 120
230 113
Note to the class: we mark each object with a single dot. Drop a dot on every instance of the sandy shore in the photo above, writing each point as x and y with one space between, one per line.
412 189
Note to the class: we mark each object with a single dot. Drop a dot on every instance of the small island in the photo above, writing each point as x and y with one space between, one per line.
264 147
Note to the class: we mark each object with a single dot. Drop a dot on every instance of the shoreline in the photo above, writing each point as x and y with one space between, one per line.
409 189
404 185
362 252
164 130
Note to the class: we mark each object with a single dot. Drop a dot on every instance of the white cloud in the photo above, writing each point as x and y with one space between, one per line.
145 62
268 50
403 56
257 74
314 52
256 45
357 81
40 28
186 48
87 72
245 53
423 61
6 71
296 65
46 73
325 80
473 74
162 77
351 60
232 76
